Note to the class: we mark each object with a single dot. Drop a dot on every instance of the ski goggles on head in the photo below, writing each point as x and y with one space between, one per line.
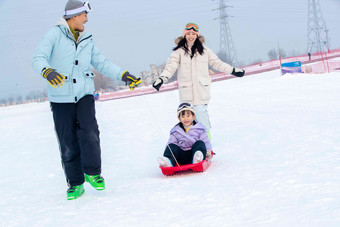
184 105
192 26
86 7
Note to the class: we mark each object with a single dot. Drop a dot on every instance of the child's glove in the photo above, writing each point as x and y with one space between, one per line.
159 82
208 154
54 78
130 80
238 72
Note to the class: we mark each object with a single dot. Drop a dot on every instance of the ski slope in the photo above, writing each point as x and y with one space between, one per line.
277 163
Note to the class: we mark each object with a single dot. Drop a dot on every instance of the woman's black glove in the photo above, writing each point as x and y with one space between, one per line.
238 72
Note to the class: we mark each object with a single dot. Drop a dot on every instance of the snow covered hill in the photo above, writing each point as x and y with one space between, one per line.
277 141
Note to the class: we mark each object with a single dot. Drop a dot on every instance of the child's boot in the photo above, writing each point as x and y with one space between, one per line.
96 181
75 192
198 157
164 162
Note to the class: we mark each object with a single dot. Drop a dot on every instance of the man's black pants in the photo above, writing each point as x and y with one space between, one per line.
78 136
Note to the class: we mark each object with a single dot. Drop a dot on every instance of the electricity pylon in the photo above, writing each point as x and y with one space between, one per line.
317 37
227 48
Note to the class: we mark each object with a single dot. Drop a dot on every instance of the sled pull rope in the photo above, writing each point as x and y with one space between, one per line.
159 128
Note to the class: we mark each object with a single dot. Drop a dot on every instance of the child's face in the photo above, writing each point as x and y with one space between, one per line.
187 118
191 37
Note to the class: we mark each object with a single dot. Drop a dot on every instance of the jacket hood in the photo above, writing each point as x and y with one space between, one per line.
196 126
63 23
201 38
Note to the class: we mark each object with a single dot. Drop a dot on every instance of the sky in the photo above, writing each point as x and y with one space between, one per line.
134 34
277 162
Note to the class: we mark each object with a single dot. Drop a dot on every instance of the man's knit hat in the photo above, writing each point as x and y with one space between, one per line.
75 7
185 106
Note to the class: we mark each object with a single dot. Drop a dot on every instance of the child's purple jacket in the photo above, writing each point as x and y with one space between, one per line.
186 140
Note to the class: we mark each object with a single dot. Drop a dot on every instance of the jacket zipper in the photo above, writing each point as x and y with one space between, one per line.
76 44
74 40
81 41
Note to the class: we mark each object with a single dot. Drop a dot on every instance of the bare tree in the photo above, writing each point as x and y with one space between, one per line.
33 96
146 77
44 93
98 80
283 53
104 82
19 99
11 100
272 54
28 97
3 101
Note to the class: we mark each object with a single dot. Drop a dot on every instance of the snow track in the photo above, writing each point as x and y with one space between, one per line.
277 141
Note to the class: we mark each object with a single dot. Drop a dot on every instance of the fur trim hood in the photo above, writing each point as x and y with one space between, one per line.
201 38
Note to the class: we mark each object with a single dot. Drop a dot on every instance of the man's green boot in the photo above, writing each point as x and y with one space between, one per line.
75 192
96 181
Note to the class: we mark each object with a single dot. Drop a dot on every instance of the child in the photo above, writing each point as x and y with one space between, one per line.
188 142
192 60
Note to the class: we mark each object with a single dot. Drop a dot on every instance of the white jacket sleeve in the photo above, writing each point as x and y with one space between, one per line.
217 64
171 66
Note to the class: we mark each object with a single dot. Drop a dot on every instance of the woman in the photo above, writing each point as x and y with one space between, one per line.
192 60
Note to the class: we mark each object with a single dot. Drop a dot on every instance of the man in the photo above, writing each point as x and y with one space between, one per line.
63 57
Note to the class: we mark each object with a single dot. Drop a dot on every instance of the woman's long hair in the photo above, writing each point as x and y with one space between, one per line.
197 47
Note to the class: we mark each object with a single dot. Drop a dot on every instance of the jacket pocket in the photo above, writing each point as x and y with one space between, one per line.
185 91
204 88
89 83
64 90
88 74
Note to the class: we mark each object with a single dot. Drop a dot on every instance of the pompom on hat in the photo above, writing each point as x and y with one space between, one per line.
74 8
185 106
191 27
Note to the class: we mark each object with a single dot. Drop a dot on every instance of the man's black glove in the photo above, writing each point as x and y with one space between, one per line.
130 80
54 78
238 72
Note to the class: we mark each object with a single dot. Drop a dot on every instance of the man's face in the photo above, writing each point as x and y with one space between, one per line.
79 22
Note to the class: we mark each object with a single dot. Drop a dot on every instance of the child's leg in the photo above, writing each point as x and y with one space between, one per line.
202 116
199 145
175 151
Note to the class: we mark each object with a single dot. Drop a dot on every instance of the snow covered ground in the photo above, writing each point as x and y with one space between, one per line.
277 141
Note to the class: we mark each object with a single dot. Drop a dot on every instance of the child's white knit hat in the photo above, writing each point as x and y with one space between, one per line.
185 106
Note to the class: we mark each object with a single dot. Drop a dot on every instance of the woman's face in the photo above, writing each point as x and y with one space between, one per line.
191 36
